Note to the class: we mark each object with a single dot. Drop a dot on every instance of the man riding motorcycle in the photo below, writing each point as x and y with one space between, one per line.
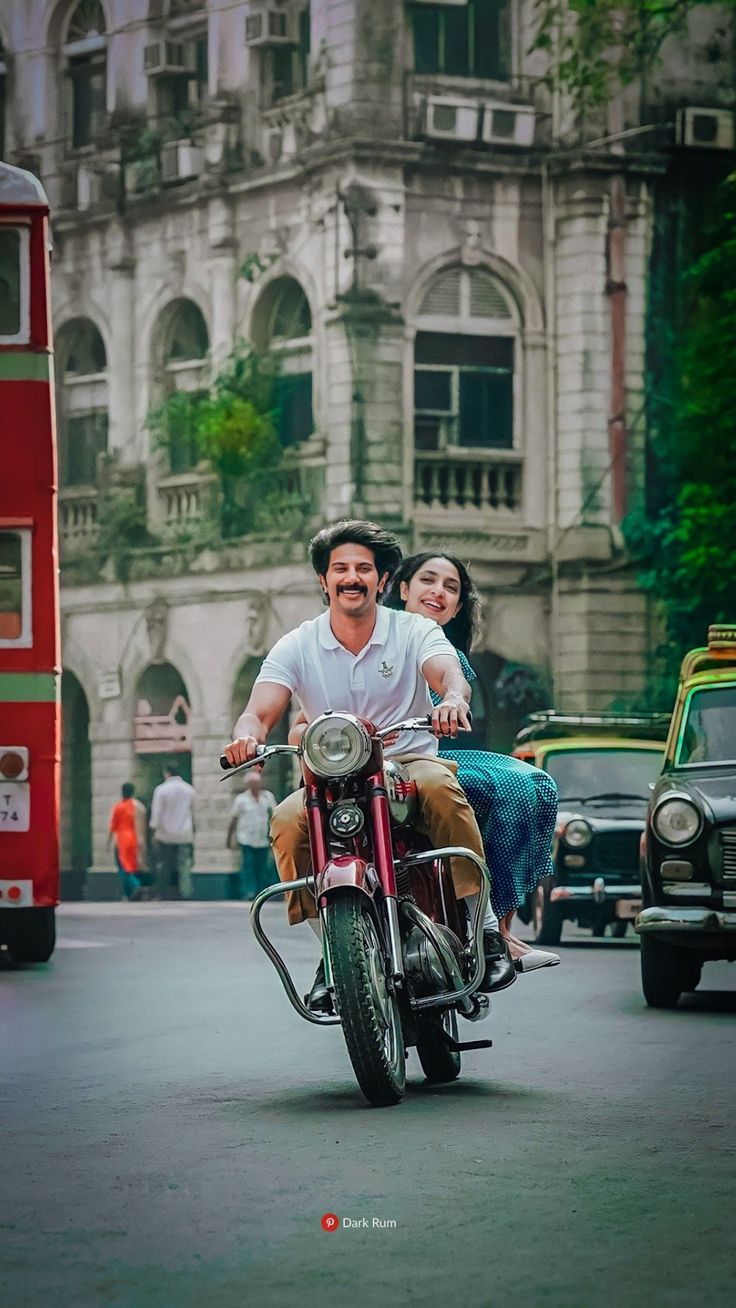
379 664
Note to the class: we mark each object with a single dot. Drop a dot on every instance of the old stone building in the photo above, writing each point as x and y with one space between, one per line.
452 274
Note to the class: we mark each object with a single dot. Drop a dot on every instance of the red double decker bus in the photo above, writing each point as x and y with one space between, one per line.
29 599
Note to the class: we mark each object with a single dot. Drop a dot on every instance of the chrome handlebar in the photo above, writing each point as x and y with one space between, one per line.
265 752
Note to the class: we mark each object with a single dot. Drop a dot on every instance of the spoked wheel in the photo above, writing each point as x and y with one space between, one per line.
439 1062
368 1010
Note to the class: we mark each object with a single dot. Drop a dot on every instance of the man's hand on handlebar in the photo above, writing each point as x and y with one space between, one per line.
241 750
451 715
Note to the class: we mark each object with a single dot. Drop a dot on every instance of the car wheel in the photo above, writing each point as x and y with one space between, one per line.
663 975
619 928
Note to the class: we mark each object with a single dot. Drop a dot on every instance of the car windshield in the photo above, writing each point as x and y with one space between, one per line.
708 732
603 773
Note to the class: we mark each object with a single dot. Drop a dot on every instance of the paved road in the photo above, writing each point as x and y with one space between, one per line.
172 1134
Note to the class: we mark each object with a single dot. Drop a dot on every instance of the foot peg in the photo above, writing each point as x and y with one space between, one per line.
457 1046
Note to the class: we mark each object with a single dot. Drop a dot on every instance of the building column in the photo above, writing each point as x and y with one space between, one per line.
223 275
121 409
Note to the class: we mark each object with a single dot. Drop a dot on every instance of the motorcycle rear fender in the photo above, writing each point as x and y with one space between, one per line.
345 871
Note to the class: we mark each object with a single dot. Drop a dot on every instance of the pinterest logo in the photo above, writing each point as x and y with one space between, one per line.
330 1222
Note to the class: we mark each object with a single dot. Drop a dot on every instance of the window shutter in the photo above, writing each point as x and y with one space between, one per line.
442 297
486 300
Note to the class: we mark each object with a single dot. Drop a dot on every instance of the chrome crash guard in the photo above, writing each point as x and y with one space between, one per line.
462 994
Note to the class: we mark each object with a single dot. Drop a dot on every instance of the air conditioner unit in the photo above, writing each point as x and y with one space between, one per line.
449 119
180 160
706 129
164 58
508 124
266 25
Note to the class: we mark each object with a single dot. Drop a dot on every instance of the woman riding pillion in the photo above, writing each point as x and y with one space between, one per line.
515 804
381 665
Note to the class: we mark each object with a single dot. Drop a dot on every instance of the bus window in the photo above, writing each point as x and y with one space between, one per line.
15 587
14 274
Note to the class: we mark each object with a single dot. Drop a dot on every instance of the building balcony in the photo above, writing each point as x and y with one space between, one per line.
467 486
78 524
186 501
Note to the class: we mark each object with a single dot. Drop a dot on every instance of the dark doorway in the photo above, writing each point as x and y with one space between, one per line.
76 788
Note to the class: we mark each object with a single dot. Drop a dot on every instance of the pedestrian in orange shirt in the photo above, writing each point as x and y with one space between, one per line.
128 829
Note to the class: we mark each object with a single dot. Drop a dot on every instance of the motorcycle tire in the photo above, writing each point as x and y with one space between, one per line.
439 1062
368 1011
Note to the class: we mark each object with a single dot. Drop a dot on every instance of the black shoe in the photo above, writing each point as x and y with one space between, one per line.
500 971
319 999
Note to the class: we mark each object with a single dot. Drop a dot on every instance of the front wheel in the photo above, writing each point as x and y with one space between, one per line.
30 934
368 1010
439 1062
664 974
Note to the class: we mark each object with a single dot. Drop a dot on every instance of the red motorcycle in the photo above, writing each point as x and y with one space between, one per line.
400 958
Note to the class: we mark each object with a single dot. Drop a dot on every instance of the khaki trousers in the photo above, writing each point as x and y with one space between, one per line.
444 815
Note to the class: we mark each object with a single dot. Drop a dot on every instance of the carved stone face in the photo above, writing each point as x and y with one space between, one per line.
157 624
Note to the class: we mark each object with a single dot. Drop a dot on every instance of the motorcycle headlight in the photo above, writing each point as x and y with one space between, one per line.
336 744
578 833
677 820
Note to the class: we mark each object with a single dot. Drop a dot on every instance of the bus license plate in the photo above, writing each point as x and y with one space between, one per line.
15 806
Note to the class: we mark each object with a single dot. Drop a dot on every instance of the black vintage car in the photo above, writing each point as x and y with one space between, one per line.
689 864
604 765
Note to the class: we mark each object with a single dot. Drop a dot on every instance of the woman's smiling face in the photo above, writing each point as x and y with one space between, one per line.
434 591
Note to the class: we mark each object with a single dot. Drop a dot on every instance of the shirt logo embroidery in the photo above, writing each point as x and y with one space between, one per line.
386 669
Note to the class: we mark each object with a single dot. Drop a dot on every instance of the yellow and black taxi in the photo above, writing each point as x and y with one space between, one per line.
689 855
604 765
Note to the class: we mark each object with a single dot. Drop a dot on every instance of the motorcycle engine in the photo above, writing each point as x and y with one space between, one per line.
424 965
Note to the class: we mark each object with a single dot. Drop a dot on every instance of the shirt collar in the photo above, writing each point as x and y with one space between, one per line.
328 639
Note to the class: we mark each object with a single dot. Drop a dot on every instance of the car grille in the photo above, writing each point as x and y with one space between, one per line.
617 851
728 843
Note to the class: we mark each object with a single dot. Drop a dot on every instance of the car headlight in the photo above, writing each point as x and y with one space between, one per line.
677 820
336 744
577 833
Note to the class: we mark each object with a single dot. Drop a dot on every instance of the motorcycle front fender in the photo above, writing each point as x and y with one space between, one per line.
345 871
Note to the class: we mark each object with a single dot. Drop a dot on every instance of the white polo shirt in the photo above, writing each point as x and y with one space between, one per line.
383 683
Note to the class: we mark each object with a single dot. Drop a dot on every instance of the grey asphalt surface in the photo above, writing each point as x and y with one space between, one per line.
171 1134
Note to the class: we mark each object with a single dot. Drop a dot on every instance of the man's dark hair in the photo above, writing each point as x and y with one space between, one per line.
172 769
353 531
128 790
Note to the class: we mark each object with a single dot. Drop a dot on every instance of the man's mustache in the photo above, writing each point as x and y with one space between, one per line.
355 585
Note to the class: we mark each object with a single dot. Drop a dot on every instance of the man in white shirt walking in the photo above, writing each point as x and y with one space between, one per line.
249 824
172 827
379 664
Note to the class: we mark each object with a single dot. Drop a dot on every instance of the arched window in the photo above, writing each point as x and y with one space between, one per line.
85 50
82 402
284 327
182 365
464 360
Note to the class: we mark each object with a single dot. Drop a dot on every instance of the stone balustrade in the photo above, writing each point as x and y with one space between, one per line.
186 499
78 515
447 481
